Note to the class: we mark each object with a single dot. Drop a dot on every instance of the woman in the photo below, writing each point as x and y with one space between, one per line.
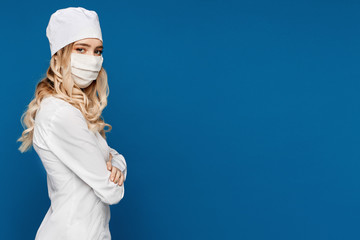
66 129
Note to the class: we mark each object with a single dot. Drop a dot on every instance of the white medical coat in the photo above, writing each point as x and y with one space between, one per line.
77 177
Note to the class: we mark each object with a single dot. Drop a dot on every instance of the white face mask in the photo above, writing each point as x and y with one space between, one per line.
85 68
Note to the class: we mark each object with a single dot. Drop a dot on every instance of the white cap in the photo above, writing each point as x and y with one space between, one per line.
72 24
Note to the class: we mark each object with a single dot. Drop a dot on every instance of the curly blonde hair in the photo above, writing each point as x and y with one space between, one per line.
58 82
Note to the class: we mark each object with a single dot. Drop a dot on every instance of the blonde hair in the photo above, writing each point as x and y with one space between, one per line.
58 82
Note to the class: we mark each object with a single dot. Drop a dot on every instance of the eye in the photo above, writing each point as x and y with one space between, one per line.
99 52
79 49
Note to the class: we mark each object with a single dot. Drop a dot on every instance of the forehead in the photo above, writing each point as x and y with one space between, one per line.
90 41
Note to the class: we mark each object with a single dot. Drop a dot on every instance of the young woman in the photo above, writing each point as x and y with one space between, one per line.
65 127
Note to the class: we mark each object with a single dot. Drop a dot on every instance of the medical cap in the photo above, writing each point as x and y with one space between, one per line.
72 24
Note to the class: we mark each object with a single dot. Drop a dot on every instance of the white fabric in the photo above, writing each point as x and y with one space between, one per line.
85 68
71 24
77 177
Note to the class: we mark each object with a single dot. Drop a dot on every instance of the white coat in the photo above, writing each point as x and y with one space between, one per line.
77 177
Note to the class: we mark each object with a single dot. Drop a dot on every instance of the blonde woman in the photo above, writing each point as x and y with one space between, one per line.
65 127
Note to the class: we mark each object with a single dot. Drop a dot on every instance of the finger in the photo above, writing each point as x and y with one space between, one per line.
108 165
121 180
113 173
117 176
110 156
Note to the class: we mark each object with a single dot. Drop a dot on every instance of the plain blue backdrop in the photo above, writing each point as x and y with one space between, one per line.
238 119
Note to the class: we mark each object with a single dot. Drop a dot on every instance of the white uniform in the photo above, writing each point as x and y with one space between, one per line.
77 177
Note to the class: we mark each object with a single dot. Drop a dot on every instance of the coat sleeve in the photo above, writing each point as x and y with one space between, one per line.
75 145
118 161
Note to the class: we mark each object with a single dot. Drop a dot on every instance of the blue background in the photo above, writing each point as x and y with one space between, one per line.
238 119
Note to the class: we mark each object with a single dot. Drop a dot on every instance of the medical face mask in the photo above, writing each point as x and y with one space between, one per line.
85 68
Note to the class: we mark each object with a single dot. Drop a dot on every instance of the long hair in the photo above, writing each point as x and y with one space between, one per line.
58 82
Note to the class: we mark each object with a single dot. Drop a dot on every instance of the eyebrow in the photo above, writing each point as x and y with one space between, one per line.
87 45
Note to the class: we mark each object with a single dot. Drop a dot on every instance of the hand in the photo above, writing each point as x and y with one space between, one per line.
116 175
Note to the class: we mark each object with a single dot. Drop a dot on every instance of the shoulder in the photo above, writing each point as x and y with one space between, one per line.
55 111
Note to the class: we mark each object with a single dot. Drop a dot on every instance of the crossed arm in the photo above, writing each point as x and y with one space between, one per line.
70 140
117 176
